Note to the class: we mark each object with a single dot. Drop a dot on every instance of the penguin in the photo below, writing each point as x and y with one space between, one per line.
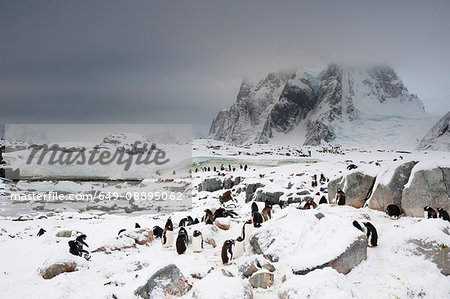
372 236
227 252
358 226
215 168
245 167
443 214
429 212
254 207
121 231
239 247
182 222
41 232
197 242
219 213
80 239
351 167
322 179
257 219
168 234
306 205
222 168
393 211
247 230
182 241
157 232
76 249
136 225
317 198
340 197
267 211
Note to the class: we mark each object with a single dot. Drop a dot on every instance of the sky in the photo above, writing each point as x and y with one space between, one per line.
136 61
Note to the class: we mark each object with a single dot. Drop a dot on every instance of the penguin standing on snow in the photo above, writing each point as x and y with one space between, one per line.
239 247
41 232
257 219
443 214
247 229
393 211
227 252
267 211
254 207
157 232
429 212
372 236
197 242
358 226
168 234
182 241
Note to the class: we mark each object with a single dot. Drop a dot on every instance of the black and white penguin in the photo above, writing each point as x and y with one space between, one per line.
323 200
239 247
41 232
81 239
429 212
247 229
182 241
372 236
443 214
340 197
157 232
227 252
76 249
351 167
121 231
267 211
136 225
219 213
254 207
197 241
183 222
168 234
358 226
393 211
257 219
209 217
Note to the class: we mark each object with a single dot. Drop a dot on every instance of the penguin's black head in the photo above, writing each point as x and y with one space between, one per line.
169 224
197 233
239 239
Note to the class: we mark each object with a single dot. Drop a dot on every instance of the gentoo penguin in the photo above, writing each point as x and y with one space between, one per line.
393 211
267 211
157 232
121 231
257 219
182 241
239 247
306 205
323 200
136 225
254 207
80 239
322 179
76 249
340 197
443 214
219 213
317 198
168 234
372 236
247 229
197 241
429 212
227 252
41 232
209 217
351 166
182 222
358 226
314 181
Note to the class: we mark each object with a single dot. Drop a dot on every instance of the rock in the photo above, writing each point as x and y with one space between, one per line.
428 187
358 187
56 269
228 183
262 280
216 285
319 215
272 197
64 234
247 266
250 191
168 281
344 263
211 184
438 254
210 241
303 192
225 197
223 223
128 240
438 136
227 273
391 193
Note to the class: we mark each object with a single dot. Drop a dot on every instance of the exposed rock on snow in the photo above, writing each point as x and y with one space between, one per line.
438 138
357 186
65 234
427 187
223 223
168 281
272 197
48 272
247 266
262 280
390 192
437 253
212 184
225 197
128 240
250 190
216 285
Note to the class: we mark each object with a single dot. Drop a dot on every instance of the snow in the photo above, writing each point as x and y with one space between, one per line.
218 286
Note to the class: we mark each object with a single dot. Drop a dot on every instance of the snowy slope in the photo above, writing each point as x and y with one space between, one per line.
438 137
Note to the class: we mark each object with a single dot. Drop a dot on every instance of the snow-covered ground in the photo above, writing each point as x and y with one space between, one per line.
392 270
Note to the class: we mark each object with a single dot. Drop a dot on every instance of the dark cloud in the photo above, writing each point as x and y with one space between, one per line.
182 61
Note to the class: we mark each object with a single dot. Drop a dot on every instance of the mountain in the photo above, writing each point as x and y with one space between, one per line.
438 137
349 106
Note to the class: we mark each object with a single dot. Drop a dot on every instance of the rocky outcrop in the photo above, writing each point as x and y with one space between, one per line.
438 254
271 197
391 193
438 137
211 184
48 272
262 280
250 190
428 187
357 187
168 281
344 263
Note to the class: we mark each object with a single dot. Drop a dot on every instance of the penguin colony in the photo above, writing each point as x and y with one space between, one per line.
235 248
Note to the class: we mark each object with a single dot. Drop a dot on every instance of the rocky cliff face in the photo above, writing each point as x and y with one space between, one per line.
324 105
438 138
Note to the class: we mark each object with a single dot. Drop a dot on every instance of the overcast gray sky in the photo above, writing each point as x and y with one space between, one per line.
142 61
